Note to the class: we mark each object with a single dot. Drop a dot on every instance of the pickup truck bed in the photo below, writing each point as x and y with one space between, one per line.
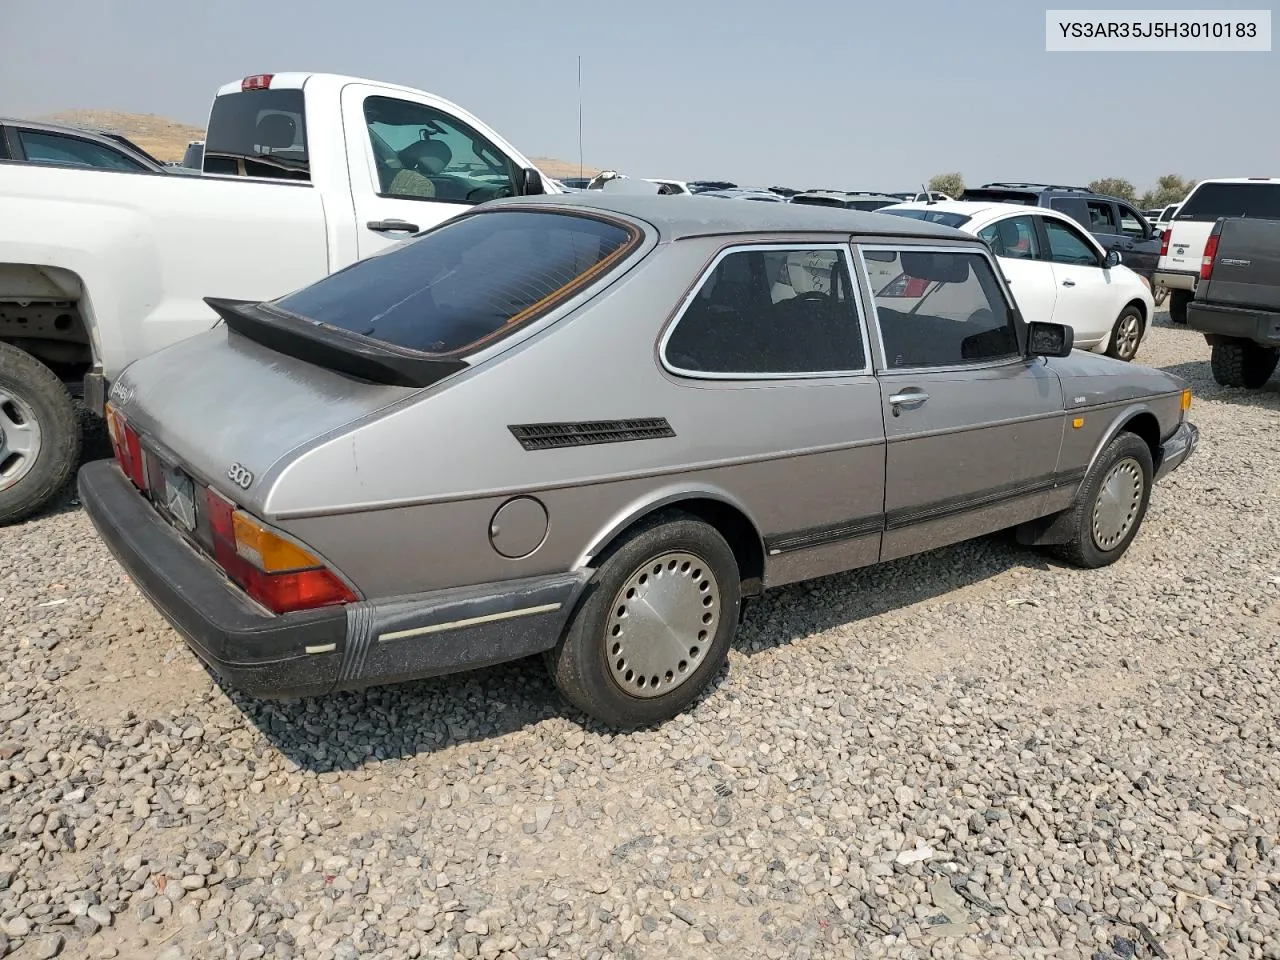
1237 302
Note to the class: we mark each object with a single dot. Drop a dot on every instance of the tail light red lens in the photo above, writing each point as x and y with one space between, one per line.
259 81
127 447
1206 261
1164 241
276 572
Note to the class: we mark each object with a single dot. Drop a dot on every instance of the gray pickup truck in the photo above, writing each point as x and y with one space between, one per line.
1237 301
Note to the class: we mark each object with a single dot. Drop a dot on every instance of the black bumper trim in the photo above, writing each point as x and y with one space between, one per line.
1247 323
1175 451
361 644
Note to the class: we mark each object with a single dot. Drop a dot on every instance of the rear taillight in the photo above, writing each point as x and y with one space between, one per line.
259 81
1206 261
127 447
1164 241
276 572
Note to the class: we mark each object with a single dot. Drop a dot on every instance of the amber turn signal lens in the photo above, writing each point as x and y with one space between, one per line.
266 550
1186 400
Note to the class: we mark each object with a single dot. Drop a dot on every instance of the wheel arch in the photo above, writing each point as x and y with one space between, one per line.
1137 419
723 512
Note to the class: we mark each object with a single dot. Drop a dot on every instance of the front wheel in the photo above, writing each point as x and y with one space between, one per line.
1178 300
1126 335
39 434
1242 363
1111 504
654 625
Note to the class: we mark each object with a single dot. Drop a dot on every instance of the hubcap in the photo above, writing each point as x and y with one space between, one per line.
1127 332
1116 506
19 438
661 624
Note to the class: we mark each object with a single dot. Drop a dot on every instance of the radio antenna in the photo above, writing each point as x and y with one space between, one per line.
579 116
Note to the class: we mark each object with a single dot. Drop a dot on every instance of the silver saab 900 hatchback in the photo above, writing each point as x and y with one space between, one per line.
588 426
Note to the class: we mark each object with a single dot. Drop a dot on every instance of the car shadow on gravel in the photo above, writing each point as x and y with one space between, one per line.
346 731
1199 374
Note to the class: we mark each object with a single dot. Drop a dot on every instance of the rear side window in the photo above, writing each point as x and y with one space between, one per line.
468 282
73 152
940 309
1210 201
258 133
771 312
1012 237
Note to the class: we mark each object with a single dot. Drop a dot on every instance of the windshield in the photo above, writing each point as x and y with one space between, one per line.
258 133
1213 200
944 217
466 283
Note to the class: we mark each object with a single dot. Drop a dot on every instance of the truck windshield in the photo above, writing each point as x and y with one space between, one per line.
466 283
258 133
1213 200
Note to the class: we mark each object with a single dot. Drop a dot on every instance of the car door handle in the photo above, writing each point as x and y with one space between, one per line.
1068 283
909 399
392 226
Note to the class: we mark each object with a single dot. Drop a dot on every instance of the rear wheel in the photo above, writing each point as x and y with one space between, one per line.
654 625
1111 504
39 434
1126 335
1242 363
1178 300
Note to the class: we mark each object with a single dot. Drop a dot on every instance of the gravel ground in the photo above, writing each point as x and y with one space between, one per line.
970 753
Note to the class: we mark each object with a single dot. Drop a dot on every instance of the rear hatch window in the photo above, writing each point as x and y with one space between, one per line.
1210 201
258 133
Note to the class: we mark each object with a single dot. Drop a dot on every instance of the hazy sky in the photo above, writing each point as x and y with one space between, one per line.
833 93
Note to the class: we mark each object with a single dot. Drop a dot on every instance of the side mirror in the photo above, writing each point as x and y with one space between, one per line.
1049 339
1113 259
531 182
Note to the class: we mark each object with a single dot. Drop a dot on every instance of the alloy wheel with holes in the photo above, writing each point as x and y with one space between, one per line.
1126 335
1111 503
654 624
39 434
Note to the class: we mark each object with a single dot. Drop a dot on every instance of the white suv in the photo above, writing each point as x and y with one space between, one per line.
1182 246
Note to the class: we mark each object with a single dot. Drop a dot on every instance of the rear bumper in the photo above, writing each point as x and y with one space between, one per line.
333 648
1245 323
1175 450
1176 279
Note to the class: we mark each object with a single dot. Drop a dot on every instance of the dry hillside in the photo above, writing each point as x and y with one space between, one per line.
167 139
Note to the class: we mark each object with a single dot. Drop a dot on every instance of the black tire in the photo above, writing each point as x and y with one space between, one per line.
1178 300
34 392
1124 347
1242 363
581 664
1083 549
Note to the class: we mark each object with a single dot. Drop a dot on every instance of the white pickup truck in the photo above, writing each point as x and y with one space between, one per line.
303 174
1183 242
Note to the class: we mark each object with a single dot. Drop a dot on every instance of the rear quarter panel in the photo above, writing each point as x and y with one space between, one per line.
404 503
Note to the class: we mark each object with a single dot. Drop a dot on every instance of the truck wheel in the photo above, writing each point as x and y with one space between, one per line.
1126 335
39 434
1111 504
1241 363
654 625
1178 300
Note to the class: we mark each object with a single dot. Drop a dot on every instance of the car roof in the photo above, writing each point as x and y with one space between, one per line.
108 138
696 216
977 209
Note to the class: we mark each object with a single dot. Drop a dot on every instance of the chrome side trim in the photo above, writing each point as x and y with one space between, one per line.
468 622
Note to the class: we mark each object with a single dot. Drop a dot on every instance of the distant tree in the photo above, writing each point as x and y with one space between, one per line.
1115 187
952 184
1170 188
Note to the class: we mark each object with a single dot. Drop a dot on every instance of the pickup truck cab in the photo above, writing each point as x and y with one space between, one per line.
1182 245
1237 301
303 174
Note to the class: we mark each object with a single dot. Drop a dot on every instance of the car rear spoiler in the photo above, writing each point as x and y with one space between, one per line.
331 348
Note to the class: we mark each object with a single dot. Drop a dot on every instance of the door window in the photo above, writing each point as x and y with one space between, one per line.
73 152
1068 245
1102 217
771 312
1131 223
1013 237
942 308
424 154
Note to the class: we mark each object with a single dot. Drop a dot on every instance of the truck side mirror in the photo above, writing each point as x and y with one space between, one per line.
531 182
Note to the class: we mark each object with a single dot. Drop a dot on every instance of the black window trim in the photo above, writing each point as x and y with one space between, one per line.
1011 310
463 127
840 246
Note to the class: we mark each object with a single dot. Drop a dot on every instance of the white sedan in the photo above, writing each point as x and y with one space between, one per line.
1056 271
